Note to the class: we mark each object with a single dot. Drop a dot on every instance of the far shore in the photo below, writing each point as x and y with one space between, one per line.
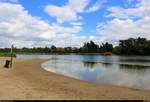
27 81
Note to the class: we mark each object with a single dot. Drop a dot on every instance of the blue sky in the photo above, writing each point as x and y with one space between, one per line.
34 23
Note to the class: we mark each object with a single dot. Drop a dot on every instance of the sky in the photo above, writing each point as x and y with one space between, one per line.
40 23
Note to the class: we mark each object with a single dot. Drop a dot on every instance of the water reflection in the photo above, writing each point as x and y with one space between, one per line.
88 64
107 65
130 71
134 60
138 69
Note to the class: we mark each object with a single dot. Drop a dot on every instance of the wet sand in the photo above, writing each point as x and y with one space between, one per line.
28 81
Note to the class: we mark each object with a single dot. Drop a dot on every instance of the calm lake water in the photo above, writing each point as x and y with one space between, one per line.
131 71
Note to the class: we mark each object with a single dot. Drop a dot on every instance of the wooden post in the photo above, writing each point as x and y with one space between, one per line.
11 60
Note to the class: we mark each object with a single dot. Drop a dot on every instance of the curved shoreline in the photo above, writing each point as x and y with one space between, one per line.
47 68
29 81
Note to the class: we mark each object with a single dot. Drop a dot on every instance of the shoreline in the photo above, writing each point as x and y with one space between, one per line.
93 82
28 80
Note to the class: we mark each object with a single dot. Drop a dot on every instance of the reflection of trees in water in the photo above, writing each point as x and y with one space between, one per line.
89 64
135 60
134 68
106 64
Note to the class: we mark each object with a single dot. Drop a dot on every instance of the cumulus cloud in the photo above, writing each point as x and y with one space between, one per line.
141 9
18 23
24 30
67 12
20 28
78 5
70 11
126 22
62 13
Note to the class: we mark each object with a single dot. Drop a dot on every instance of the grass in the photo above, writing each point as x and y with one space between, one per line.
6 55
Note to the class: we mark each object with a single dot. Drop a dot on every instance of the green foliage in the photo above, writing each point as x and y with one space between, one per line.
32 50
90 47
132 46
106 47
53 48
6 55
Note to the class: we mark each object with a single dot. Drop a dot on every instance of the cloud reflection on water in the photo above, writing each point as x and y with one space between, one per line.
130 75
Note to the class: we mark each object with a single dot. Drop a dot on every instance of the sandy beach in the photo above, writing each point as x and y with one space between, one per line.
28 81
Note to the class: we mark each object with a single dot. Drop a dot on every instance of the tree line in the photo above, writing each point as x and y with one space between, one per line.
131 46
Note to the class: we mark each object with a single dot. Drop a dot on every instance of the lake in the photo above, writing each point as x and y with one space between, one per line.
127 71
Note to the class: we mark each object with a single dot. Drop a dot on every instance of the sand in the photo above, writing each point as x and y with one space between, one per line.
28 81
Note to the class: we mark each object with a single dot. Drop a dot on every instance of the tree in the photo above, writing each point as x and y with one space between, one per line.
133 46
106 47
90 47
53 48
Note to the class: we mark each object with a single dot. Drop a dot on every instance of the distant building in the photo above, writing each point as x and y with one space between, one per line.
60 49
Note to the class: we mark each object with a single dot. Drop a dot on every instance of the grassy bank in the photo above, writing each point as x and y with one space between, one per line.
6 55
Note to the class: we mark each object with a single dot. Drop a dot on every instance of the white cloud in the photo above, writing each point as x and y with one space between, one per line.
72 40
60 29
17 23
142 9
17 26
62 13
117 12
78 5
96 6
126 23
70 11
